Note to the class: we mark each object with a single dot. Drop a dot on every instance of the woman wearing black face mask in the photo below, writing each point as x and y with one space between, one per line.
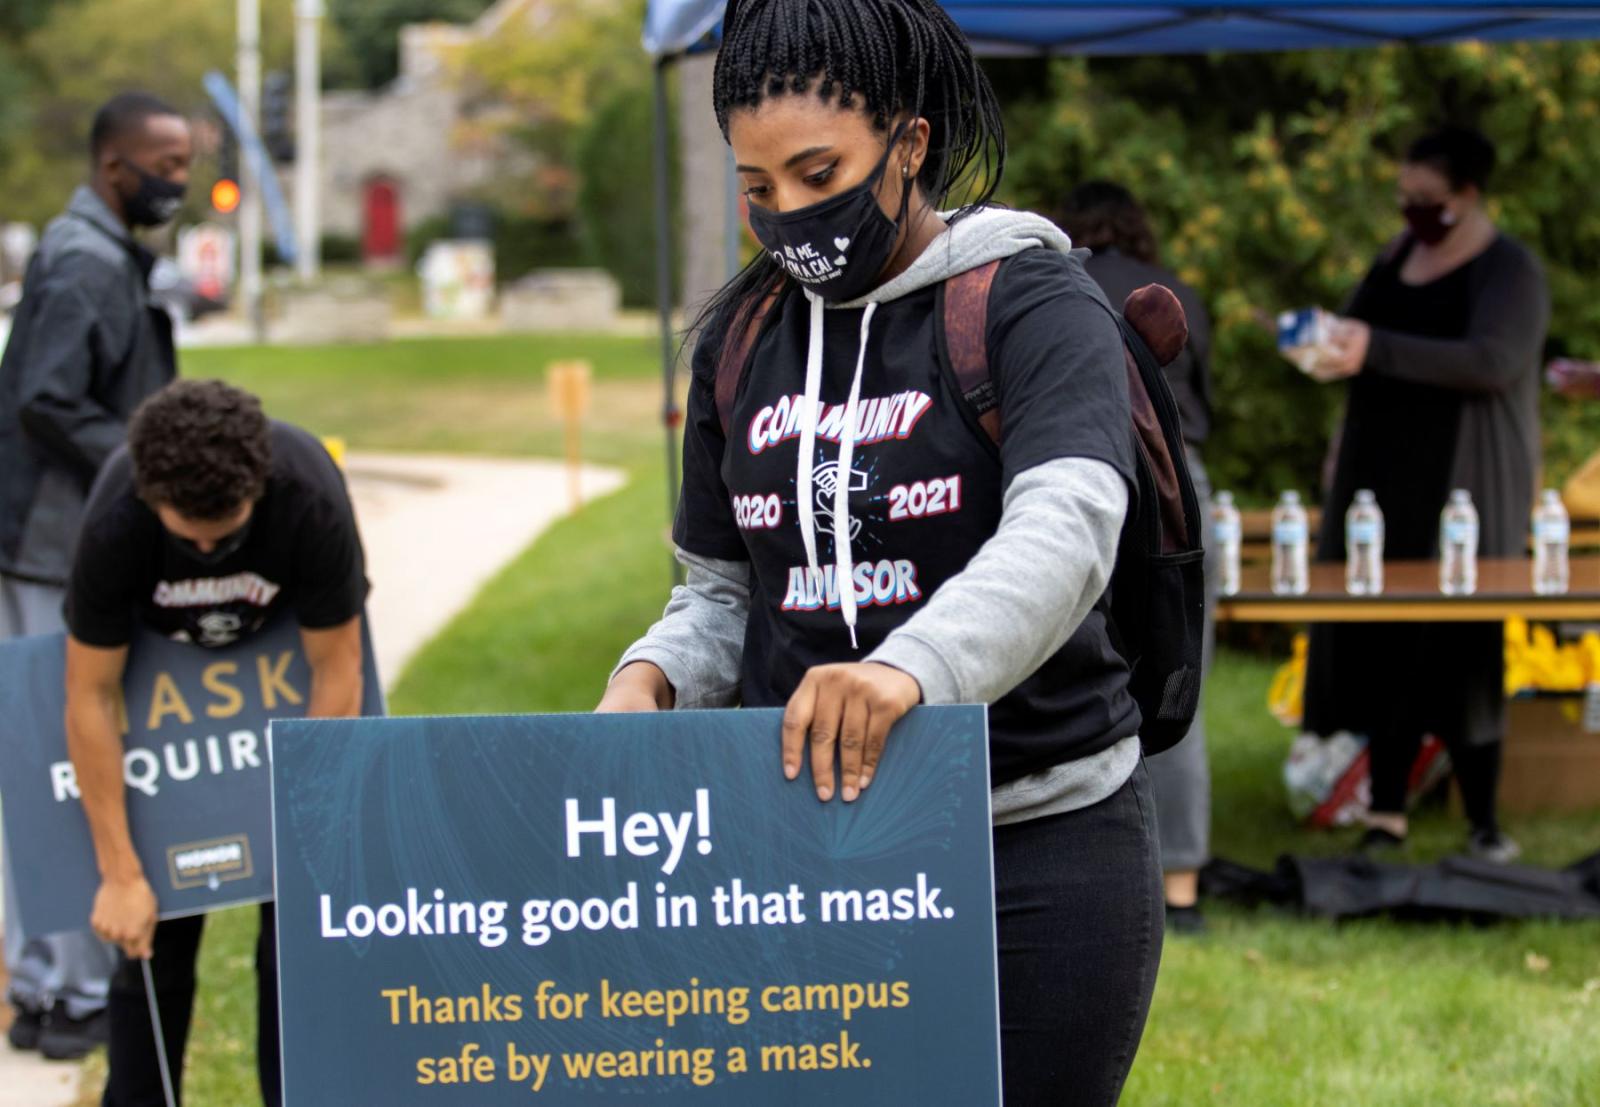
1442 347
856 544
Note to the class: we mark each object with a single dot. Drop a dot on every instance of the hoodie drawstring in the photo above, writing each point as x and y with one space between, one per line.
841 489
804 504
844 568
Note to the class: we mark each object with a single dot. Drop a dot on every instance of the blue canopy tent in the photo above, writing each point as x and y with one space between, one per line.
674 28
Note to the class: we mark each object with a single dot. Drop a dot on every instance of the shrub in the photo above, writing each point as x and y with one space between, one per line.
1272 177
616 203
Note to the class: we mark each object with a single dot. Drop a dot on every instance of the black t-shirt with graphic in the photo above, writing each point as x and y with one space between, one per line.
301 553
926 487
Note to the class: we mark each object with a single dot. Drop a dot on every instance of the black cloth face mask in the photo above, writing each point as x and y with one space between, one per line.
836 247
224 549
1431 223
155 201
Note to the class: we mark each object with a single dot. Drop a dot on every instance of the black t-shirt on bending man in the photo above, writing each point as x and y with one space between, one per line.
302 553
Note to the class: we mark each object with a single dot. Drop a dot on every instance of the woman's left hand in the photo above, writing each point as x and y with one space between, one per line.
851 707
1351 340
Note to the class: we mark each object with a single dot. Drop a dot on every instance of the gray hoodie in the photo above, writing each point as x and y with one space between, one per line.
987 628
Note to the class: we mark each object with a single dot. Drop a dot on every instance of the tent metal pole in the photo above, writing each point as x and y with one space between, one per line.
670 415
732 222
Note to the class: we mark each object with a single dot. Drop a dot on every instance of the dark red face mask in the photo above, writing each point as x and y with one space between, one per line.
1431 223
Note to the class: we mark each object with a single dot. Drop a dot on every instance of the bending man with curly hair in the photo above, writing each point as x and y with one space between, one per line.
211 521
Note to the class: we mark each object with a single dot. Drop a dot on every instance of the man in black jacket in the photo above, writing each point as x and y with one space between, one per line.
86 346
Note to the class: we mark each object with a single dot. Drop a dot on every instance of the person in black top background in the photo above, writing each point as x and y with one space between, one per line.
87 345
211 521
1106 218
1442 349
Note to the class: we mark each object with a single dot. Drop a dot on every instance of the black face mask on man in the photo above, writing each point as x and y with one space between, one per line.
155 201
837 247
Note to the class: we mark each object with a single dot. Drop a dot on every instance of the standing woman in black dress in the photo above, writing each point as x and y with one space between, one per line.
1442 349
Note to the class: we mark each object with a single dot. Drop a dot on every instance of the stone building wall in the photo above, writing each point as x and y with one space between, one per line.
410 132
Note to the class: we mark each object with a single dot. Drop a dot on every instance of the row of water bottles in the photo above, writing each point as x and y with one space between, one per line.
1364 534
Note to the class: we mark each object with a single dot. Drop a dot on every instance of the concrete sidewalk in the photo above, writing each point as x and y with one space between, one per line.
435 529
27 1079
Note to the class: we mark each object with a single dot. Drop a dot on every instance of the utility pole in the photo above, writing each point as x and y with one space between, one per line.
250 289
308 142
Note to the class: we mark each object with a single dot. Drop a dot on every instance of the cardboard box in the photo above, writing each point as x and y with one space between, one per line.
1552 756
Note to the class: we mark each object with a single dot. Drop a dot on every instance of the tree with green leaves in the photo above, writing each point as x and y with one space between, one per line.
85 51
370 33
1273 178
576 91
19 19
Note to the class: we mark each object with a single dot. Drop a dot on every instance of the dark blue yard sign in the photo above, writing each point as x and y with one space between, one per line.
586 908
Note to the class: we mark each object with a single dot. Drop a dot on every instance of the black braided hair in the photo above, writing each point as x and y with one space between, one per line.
887 58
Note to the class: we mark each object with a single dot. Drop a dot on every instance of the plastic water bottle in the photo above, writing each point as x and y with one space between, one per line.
1291 552
1363 546
1458 545
1551 533
1227 532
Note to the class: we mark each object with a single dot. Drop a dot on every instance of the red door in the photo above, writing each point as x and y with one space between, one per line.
380 240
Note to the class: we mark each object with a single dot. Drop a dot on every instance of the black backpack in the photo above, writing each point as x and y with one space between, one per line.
1158 586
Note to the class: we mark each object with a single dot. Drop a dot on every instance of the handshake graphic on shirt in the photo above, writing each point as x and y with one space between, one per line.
826 482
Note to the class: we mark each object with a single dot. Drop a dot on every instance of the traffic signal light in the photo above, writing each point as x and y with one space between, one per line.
227 152
225 196
225 193
277 127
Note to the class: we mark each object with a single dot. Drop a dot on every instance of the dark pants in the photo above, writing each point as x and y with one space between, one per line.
1395 682
1476 768
135 1076
73 969
1080 926
1452 685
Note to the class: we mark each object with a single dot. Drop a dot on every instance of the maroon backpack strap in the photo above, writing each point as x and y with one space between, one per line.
966 337
1156 315
737 346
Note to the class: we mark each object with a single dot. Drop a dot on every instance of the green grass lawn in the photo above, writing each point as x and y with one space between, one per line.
456 395
1273 1009
1266 1009
544 636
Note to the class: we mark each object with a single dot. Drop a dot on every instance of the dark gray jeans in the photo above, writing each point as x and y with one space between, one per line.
1079 905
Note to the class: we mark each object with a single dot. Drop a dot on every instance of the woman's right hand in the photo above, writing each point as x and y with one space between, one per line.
1346 354
641 686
